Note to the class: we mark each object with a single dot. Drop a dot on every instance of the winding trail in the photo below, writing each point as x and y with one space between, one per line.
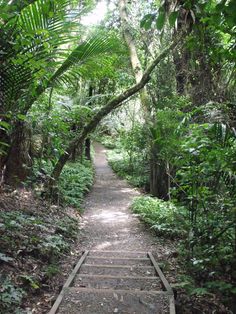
108 223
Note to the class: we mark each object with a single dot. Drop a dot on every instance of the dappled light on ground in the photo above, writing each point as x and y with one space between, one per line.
107 223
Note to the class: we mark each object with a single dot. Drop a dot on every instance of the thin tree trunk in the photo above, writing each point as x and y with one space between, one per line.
158 176
88 148
134 59
4 141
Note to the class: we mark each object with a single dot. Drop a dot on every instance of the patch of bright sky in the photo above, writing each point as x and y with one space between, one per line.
98 14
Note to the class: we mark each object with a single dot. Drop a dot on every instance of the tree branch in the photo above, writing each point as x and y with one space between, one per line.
110 106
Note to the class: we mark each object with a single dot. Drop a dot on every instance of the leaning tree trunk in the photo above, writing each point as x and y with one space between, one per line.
104 111
134 59
19 163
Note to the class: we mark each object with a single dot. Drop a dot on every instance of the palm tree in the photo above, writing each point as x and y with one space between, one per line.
37 53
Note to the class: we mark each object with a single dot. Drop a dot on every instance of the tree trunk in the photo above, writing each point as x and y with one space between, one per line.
181 61
19 163
159 179
88 148
104 111
134 59
4 141
158 175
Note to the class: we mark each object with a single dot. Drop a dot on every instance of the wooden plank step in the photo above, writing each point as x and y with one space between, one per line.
118 270
118 260
115 288
104 301
124 254
117 283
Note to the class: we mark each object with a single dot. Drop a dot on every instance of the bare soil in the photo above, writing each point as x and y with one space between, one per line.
108 223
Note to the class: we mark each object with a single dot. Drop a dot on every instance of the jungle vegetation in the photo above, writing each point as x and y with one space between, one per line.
155 82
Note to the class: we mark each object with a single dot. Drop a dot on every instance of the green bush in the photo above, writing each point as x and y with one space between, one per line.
108 141
75 181
134 173
163 217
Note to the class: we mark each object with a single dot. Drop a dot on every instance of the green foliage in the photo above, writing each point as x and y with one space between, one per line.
76 180
108 141
52 246
225 288
120 163
163 217
201 156
39 239
51 270
56 57
29 281
168 129
129 159
160 20
67 227
10 296
206 175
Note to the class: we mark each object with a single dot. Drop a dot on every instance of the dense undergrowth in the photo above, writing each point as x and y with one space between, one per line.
164 218
75 181
126 164
35 236
204 248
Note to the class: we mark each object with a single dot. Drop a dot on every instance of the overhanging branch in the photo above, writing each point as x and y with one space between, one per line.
111 105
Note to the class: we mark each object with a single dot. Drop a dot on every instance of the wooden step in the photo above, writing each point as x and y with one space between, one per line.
117 270
118 261
104 301
117 283
117 254
115 288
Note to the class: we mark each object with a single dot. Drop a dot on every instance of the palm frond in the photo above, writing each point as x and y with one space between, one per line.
29 41
99 44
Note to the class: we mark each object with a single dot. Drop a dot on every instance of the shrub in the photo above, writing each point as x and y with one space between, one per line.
135 173
163 217
75 181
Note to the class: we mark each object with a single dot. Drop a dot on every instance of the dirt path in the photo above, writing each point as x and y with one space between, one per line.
117 276
108 223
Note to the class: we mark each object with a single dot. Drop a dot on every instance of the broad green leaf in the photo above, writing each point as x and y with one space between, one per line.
160 20
172 18
147 20
21 117
5 125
